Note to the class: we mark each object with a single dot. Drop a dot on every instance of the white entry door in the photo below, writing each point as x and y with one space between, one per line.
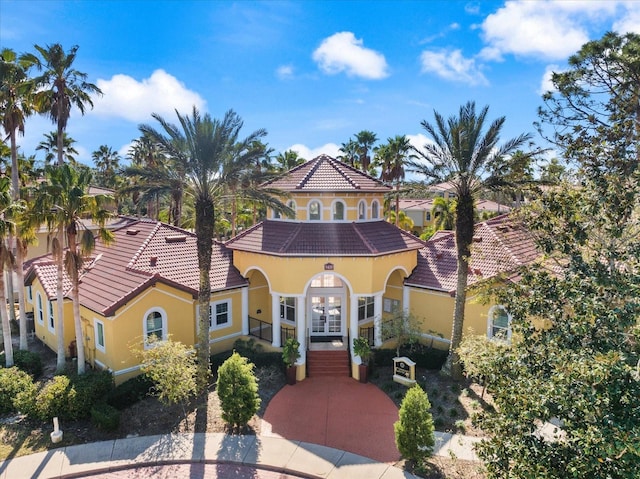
326 315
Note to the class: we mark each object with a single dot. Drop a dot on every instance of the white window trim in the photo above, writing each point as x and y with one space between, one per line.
99 347
334 205
309 210
163 314
30 294
292 204
377 206
283 318
366 319
212 307
39 309
362 203
50 317
490 323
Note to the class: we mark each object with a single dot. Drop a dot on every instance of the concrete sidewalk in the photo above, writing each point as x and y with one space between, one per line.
269 453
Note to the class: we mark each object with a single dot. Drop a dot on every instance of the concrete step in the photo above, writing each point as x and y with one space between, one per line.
328 363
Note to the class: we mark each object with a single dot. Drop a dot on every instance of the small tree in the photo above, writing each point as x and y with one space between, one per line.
237 389
402 326
414 430
172 368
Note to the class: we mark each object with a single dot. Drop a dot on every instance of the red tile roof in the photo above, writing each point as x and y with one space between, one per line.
327 174
427 205
500 246
289 238
144 252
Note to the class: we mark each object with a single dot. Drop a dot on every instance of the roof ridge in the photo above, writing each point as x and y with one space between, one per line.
143 246
507 248
338 165
311 171
293 236
365 241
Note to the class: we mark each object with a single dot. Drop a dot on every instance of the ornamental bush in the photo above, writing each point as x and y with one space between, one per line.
105 417
414 430
53 399
28 361
17 390
237 389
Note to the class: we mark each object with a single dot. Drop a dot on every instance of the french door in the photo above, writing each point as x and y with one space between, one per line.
326 315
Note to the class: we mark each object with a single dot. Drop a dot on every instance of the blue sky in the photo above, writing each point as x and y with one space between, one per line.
313 73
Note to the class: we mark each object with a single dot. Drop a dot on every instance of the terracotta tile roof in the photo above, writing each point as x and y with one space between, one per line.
144 252
289 238
500 246
327 174
427 205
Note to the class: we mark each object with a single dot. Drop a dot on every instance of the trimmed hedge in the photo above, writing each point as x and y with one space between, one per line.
130 392
424 356
17 390
250 350
27 361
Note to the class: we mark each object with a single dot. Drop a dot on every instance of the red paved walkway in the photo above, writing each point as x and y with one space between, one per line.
335 412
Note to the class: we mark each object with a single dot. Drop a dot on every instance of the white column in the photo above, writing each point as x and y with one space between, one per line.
301 328
405 299
245 311
377 320
275 319
353 320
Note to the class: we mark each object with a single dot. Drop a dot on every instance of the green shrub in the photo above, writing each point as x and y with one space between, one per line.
424 356
53 399
29 361
453 412
461 426
414 430
250 350
17 390
130 392
86 390
237 389
105 417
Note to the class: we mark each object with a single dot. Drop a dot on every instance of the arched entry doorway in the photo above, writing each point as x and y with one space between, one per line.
326 307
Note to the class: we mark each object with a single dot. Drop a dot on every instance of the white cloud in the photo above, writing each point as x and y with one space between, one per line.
284 72
630 22
452 65
546 84
343 52
161 93
543 29
307 153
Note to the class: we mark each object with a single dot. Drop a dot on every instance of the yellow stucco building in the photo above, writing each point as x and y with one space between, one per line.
328 275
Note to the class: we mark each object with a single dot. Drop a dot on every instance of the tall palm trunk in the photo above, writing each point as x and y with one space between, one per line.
397 203
20 253
58 255
204 232
464 238
77 322
6 327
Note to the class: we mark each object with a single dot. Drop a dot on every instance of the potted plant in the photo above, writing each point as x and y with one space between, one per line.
361 348
290 354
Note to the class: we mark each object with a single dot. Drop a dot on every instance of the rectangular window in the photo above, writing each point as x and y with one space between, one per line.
390 305
365 308
220 314
99 335
52 326
39 309
288 308
29 294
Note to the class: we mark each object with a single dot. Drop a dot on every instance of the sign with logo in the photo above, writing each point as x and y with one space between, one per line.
404 371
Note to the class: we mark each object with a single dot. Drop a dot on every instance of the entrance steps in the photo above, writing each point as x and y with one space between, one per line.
328 363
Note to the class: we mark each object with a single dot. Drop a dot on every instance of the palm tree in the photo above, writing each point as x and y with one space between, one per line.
288 160
462 153
63 202
144 154
50 147
403 221
349 152
16 94
393 157
444 213
8 210
365 141
61 87
107 164
206 144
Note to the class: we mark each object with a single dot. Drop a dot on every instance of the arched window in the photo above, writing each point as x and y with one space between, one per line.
499 323
338 210
314 211
374 209
362 210
292 204
155 324
39 310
